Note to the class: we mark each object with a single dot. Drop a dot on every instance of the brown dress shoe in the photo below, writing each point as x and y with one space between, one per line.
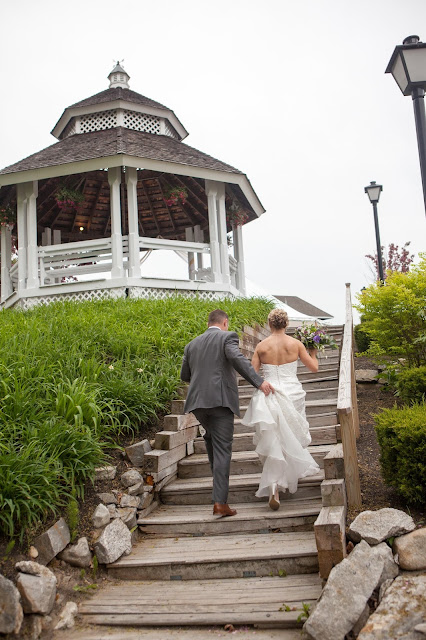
223 510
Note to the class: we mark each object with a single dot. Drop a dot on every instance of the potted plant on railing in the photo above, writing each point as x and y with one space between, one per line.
236 216
68 198
177 195
7 217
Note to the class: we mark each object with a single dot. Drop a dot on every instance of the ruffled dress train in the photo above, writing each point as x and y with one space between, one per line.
282 431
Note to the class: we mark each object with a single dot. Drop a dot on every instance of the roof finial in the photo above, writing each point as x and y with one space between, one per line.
118 77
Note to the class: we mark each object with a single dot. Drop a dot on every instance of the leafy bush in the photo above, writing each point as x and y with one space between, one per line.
411 384
362 338
73 376
402 438
394 315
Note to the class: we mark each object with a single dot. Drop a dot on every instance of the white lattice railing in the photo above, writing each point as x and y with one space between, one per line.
76 258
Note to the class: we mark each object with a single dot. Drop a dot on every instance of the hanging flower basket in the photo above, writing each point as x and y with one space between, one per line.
7 217
236 216
68 198
177 195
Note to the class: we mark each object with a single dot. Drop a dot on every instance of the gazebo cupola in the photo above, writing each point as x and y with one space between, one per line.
118 77
86 212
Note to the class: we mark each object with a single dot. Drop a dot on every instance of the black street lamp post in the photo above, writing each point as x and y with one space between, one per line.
373 191
408 67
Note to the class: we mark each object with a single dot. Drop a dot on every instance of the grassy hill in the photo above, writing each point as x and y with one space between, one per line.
74 377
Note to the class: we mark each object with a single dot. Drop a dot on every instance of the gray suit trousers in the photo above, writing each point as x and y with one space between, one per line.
219 425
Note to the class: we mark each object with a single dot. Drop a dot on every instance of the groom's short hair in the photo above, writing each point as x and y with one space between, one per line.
217 317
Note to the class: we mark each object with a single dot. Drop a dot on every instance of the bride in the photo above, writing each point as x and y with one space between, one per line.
282 431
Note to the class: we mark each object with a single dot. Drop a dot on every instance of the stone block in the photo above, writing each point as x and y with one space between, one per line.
11 613
130 478
100 517
105 473
78 555
411 550
376 526
114 542
107 498
366 375
345 595
67 615
136 452
37 586
136 489
52 541
129 501
128 516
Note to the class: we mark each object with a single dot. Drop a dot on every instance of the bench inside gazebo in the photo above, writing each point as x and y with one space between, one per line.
80 218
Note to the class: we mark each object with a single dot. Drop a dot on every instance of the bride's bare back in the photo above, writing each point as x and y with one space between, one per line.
279 348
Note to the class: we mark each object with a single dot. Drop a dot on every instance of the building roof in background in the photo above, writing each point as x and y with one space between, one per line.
304 307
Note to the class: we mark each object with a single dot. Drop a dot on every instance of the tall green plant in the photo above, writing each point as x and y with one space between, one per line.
393 315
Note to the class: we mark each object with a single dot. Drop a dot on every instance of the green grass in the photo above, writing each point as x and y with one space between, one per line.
76 376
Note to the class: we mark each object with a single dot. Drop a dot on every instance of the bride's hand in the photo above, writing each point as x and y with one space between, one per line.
267 388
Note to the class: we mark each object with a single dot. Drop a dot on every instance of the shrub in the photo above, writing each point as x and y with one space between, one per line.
362 338
411 384
402 438
394 315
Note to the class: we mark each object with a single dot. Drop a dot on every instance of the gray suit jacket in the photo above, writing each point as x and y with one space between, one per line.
209 365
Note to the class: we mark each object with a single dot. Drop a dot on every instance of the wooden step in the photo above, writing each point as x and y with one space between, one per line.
238 601
305 375
180 520
313 407
320 393
320 419
213 557
242 462
244 441
242 488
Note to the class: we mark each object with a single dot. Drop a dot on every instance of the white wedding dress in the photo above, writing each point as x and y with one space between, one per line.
282 431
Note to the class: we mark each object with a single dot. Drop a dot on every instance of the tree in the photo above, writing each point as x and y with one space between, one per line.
398 259
394 316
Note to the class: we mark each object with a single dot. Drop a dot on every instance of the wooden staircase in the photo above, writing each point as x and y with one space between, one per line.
256 568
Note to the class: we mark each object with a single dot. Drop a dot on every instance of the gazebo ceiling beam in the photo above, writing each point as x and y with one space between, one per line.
150 205
167 206
190 217
89 224
197 198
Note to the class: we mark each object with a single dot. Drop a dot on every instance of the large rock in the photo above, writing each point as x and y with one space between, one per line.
52 541
105 473
390 567
136 452
107 498
376 526
11 614
114 541
411 550
129 501
128 516
100 517
131 478
366 375
67 615
136 489
77 555
343 600
403 608
37 586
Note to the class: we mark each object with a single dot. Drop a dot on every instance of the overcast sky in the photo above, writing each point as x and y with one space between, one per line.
293 93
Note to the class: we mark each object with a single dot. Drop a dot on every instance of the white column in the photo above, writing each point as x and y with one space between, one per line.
223 241
211 191
6 262
199 237
237 235
114 179
189 237
132 213
22 236
33 281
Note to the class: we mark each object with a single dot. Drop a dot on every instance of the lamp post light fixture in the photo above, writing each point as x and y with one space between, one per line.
373 191
408 67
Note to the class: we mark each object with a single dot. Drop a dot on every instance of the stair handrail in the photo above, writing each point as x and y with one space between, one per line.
347 407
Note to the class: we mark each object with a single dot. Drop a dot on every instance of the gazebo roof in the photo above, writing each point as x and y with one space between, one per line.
118 93
118 141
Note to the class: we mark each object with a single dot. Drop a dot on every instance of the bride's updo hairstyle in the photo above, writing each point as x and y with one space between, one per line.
278 319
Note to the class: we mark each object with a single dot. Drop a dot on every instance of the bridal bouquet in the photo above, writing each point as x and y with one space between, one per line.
314 337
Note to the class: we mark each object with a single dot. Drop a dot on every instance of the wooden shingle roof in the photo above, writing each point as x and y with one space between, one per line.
118 93
304 307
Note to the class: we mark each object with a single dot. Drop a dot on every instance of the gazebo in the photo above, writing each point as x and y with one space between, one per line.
86 212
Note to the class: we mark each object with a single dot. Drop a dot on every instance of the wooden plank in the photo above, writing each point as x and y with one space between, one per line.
155 478
176 422
333 493
168 440
330 538
156 460
334 466
353 486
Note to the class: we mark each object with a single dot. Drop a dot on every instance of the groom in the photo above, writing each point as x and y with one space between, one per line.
209 364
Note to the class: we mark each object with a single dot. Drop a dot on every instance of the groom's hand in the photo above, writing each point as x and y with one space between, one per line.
267 388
